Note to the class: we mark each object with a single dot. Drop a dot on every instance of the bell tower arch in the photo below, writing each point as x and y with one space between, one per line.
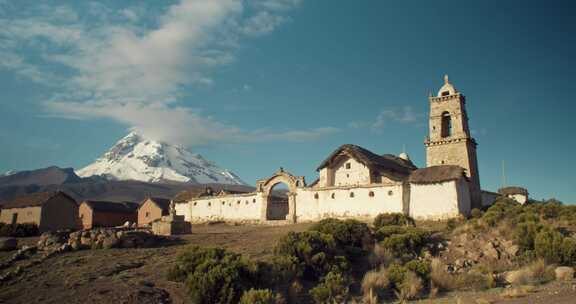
449 141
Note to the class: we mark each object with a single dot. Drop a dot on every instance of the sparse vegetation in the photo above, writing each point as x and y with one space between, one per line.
19 230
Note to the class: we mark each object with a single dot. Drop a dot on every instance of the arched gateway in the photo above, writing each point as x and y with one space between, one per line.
277 206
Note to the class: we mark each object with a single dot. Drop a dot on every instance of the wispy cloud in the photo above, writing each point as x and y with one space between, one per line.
117 67
404 115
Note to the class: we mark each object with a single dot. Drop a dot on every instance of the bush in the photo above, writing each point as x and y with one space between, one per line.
350 234
476 213
389 219
439 278
396 273
420 267
19 230
410 242
525 233
315 253
213 275
548 245
332 289
260 296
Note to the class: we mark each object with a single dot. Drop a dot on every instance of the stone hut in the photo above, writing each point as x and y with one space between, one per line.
107 214
49 210
151 209
518 194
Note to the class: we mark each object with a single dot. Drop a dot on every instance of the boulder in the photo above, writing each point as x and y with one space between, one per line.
564 273
110 242
8 244
490 251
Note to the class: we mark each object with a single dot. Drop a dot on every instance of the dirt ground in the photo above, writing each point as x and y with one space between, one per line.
138 275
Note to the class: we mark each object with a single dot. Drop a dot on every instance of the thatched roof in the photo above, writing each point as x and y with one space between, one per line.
437 174
513 190
34 199
103 206
386 162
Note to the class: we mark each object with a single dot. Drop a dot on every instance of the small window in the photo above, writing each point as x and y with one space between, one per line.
351 194
238 202
254 200
247 203
390 192
316 195
209 204
348 165
371 194
442 162
445 93
333 195
223 203
348 175
147 214
195 203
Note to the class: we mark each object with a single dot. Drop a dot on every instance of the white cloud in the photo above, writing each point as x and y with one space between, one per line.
135 74
403 115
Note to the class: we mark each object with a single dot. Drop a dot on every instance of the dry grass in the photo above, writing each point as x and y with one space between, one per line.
533 274
518 292
410 287
373 283
381 256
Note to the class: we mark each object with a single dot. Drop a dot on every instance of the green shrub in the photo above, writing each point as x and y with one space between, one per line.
396 274
260 296
421 267
548 245
316 253
19 230
524 234
354 236
569 251
389 219
213 275
388 231
410 287
408 243
332 289
476 213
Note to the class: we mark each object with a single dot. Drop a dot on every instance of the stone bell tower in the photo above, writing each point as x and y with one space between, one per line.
449 141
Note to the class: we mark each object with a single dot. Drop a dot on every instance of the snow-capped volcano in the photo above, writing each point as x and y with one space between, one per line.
137 158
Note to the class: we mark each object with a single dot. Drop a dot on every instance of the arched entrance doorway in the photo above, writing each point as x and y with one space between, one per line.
279 196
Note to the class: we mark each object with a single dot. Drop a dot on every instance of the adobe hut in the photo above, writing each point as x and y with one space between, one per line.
151 209
49 210
107 214
518 194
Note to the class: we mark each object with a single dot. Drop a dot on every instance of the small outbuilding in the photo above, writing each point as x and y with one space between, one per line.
49 210
439 192
107 214
518 194
151 209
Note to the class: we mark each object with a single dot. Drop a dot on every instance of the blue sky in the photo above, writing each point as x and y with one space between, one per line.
260 84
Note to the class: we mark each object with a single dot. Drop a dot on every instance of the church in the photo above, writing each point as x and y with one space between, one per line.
354 182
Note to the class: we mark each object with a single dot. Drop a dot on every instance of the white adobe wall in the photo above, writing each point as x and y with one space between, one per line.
386 199
227 208
520 198
184 209
439 201
358 174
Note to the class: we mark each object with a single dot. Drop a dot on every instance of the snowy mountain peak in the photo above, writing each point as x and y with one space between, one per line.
137 158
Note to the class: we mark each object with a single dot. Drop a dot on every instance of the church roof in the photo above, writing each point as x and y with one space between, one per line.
513 190
436 174
386 162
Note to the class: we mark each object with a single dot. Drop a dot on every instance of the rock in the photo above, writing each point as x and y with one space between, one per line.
110 242
510 248
490 251
8 244
564 273
86 241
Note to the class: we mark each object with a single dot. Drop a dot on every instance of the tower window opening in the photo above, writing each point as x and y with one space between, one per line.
348 165
446 125
445 93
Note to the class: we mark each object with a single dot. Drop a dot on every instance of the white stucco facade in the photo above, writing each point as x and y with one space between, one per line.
440 200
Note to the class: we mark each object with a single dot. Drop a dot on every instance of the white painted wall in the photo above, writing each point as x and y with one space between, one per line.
228 208
357 174
386 199
185 210
520 198
439 201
